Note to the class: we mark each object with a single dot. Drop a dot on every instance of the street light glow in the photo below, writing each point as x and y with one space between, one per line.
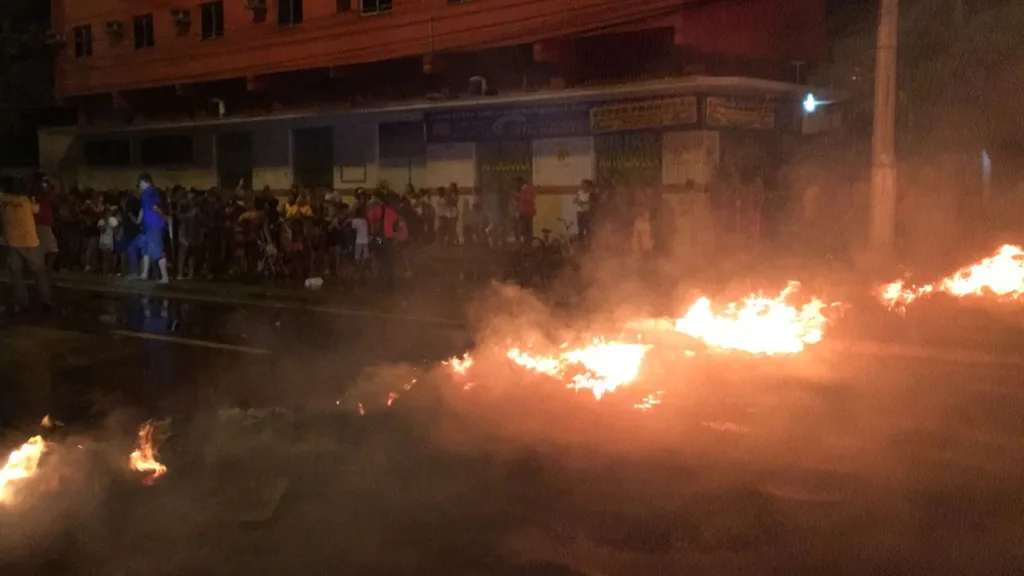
810 104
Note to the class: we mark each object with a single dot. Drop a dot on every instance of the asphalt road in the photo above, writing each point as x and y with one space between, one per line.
892 458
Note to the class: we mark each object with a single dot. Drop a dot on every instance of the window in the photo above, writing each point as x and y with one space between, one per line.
313 157
107 153
289 12
166 150
143 31
344 6
376 6
213 19
83 41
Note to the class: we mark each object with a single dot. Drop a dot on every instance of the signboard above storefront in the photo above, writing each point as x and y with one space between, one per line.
644 115
483 124
652 114
739 112
561 120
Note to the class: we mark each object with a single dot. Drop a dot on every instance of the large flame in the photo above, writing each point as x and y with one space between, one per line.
21 464
143 459
757 324
1000 275
601 367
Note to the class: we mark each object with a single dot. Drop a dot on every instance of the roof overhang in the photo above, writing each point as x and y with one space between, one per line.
736 85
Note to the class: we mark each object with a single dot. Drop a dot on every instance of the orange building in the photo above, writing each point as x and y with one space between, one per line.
346 93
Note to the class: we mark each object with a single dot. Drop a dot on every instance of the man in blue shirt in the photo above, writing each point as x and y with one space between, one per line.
154 220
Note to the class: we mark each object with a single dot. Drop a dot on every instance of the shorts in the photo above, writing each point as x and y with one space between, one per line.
47 241
153 244
362 252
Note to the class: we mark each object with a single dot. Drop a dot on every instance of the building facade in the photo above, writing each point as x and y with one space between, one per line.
348 93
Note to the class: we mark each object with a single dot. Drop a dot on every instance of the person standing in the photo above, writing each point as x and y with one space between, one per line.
92 213
583 208
526 209
131 227
154 221
17 215
361 239
44 223
384 221
187 216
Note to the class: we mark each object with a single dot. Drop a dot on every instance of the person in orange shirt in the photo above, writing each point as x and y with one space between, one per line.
17 216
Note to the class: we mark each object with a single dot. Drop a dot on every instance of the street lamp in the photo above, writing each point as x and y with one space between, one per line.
811 104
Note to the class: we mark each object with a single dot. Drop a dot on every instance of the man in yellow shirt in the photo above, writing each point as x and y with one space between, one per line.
17 212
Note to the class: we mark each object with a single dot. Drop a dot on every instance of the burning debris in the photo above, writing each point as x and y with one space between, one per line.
144 458
1000 275
21 464
649 401
757 324
460 364
600 367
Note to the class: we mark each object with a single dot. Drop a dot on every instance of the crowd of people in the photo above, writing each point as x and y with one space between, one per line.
183 233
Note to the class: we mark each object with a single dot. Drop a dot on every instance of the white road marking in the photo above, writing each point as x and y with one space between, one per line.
190 342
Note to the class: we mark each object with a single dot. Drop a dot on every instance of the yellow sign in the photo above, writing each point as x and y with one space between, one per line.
740 113
659 113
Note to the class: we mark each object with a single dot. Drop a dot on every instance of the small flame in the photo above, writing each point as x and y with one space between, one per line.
21 464
601 367
757 324
649 402
392 396
362 411
460 365
1001 275
143 459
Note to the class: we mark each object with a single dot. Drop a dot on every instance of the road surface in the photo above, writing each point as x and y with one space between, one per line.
849 459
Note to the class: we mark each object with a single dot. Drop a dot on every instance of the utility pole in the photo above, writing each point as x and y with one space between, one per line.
883 143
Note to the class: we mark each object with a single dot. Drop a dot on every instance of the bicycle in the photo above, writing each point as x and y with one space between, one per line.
554 253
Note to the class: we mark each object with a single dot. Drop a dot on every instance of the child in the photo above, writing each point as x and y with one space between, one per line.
362 233
110 233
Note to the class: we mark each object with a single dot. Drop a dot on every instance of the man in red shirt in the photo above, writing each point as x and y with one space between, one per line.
384 224
526 206
43 193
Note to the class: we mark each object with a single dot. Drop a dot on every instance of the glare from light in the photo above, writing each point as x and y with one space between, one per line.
810 104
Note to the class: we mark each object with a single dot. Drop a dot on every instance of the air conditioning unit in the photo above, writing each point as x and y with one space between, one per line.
256 5
56 38
181 17
115 28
